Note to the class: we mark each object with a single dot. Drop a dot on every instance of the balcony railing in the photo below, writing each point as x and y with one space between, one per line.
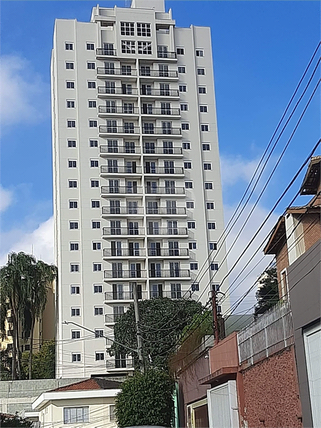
158 73
123 231
162 151
161 111
103 129
107 52
167 231
123 210
159 92
166 211
124 274
116 71
118 109
169 273
124 295
164 170
117 91
161 131
165 190
105 169
167 252
171 294
120 149
124 252
169 55
118 364
112 318
121 190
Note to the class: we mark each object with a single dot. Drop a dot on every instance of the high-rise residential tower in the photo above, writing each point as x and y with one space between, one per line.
137 187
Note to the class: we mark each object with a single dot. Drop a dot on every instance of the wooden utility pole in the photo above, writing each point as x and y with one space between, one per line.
215 318
138 332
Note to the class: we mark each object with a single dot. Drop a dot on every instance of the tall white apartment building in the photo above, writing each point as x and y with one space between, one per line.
137 187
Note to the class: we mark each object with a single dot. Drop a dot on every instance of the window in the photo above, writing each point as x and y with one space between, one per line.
206 146
94 163
180 51
203 109
212 246
72 164
74 415
72 143
128 46
99 356
143 29
95 224
192 245
70 85
182 88
74 246
187 165
91 85
71 124
202 90
191 225
199 52
210 205
112 412
99 333
73 225
69 65
95 204
98 311
92 104
201 71
69 46
93 143
72 183
73 204
193 266
195 286
182 69
186 146
74 289
97 267
91 66
75 334
90 47
93 124
75 358
208 186
185 126
211 225
207 166
70 104
184 107
94 183
127 29
188 185
74 268
190 204
98 288
75 312
214 266
96 245
144 48
204 128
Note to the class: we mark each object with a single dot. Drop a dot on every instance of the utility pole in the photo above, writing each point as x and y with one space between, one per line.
215 318
138 332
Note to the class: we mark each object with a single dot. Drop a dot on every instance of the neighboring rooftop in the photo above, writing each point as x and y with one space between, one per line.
90 384
311 182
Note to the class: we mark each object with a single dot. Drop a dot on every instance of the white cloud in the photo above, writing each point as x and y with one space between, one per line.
22 92
5 198
236 168
38 242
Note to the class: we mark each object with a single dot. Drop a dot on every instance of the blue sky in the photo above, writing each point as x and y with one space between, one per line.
260 51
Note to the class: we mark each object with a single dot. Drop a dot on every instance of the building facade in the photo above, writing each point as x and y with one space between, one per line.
137 187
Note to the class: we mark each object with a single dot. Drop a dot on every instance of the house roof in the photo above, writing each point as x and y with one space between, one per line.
90 384
311 181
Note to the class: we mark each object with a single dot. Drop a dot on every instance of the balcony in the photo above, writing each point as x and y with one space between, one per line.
120 274
183 294
159 92
165 190
120 170
169 273
158 130
111 231
103 90
166 55
164 170
124 296
119 364
103 71
163 211
121 110
115 211
177 231
168 252
163 151
124 252
105 52
121 190
104 129
125 150
158 73
161 111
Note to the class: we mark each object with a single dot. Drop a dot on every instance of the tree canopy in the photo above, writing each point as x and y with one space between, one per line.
162 321
267 295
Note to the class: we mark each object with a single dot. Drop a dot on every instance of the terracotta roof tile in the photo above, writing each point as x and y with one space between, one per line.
89 384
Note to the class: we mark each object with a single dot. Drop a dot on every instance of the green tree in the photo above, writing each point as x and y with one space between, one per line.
267 295
162 321
13 421
146 399
43 362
